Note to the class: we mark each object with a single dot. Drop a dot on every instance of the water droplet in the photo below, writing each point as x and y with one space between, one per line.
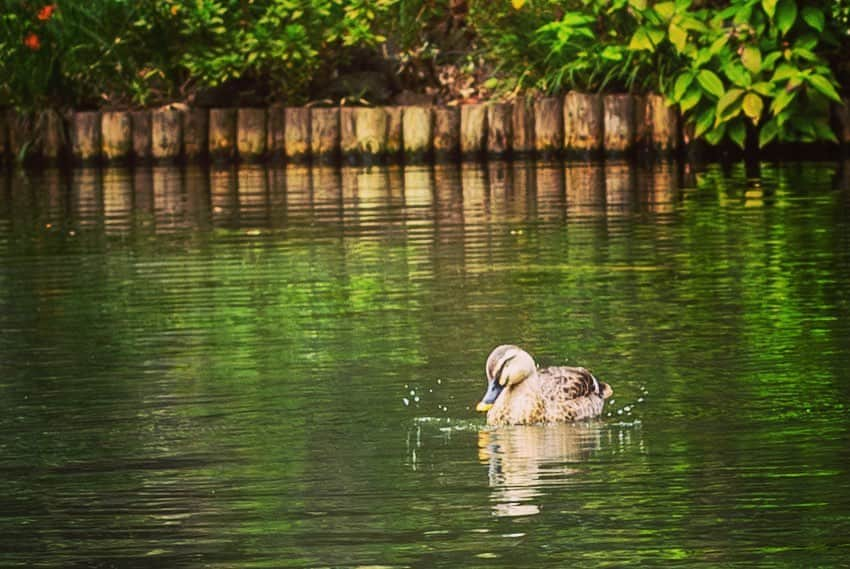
405 401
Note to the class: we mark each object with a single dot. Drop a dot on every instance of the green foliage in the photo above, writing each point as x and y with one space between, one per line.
755 62
282 42
751 64
119 52
542 45
85 53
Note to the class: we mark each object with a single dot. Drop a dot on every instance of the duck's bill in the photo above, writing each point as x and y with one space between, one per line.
493 391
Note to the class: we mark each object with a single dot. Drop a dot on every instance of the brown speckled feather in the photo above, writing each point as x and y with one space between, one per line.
552 395
571 393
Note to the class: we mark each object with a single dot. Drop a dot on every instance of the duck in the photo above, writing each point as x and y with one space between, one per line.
518 393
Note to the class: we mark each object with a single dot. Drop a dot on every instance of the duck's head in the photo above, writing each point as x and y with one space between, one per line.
507 366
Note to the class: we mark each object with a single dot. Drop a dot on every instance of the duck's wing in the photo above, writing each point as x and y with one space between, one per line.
572 383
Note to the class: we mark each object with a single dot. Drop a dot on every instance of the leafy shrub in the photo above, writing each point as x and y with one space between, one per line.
79 53
282 43
756 61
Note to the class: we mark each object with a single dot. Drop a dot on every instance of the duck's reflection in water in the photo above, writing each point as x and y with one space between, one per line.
523 460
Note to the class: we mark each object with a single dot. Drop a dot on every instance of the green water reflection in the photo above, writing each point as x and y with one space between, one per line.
277 367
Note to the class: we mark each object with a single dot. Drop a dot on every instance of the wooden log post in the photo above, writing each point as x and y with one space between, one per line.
85 137
447 121
665 126
548 127
583 125
643 126
22 141
324 134
222 135
370 128
296 134
166 134
473 131
499 129
417 128
275 128
141 124
347 135
196 133
52 137
251 134
522 125
619 124
116 132
395 145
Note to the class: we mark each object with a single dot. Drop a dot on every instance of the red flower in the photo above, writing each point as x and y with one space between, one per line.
45 13
31 41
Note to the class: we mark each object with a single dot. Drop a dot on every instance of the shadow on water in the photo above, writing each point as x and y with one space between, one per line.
278 366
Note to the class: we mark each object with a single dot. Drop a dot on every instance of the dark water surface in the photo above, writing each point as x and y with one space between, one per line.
277 368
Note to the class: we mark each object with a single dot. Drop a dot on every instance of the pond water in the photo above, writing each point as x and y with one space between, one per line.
279 367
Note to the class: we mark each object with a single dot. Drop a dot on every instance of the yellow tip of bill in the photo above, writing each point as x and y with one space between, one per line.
483 407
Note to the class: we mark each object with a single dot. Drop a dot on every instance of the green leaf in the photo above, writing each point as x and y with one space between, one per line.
824 132
656 36
768 61
641 41
768 132
743 13
715 135
753 106
711 82
690 99
782 100
805 54
737 74
823 85
763 88
665 10
769 7
683 81
786 13
814 17
638 4
729 104
806 41
784 71
693 24
718 44
737 131
678 36
612 53
704 121
703 57
751 58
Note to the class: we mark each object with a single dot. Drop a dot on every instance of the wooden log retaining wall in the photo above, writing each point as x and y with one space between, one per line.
576 125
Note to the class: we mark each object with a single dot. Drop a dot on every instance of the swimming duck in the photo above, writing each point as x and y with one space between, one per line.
520 394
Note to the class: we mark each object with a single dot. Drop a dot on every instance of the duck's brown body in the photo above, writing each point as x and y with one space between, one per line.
549 395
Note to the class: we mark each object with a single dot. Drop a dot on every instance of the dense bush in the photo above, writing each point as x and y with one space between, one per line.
552 46
748 62
766 66
141 51
79 53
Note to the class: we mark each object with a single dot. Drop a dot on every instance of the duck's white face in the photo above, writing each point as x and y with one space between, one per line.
506 366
